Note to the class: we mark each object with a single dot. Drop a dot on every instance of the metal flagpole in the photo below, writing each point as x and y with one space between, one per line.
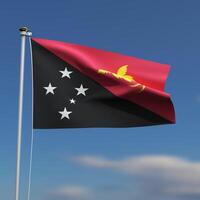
23 33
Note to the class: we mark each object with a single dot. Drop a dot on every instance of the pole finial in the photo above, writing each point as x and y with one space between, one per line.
23 29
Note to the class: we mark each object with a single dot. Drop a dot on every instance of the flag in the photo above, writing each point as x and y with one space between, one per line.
76 86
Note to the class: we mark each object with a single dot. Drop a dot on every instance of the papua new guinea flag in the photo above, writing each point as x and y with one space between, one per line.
77 86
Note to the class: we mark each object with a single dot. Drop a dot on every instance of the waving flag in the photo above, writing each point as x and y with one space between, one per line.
77 86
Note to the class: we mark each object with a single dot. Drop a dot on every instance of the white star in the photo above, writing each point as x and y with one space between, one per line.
66 73
50 89
81 90
72 101
65 113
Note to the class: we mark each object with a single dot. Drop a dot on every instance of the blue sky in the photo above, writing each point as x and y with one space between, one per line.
160 162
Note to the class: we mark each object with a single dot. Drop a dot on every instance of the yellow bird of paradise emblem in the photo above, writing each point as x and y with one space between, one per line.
122 74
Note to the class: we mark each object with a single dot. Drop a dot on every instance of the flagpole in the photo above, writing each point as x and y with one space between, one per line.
23 34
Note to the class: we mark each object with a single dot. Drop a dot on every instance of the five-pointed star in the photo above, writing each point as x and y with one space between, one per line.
81 90
72 101
50 89
66 73
65 113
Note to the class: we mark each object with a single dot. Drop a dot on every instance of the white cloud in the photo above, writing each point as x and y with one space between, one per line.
156 175
71 192
93 161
